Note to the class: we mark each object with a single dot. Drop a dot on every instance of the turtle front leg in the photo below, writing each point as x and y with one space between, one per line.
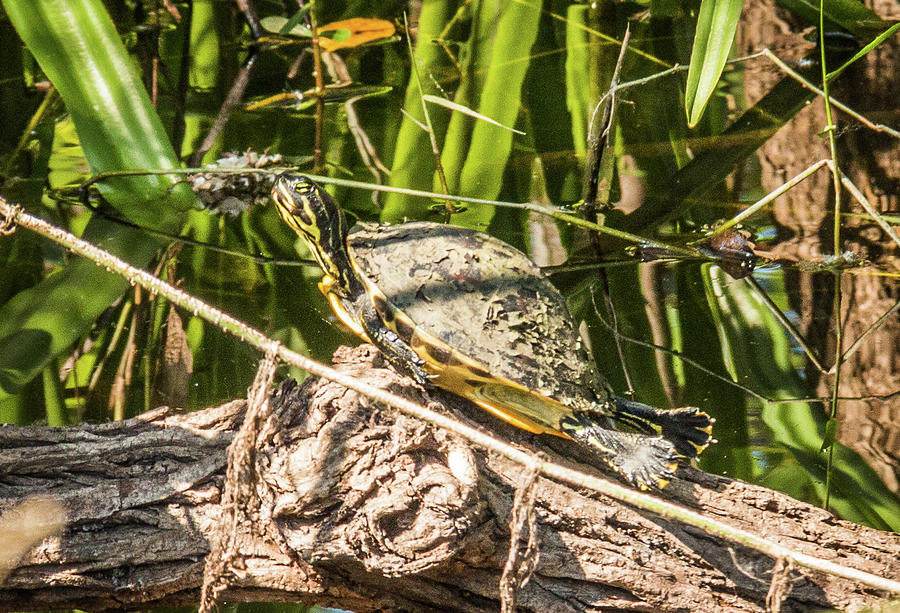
399 354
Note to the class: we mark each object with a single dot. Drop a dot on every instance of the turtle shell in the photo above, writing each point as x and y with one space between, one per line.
487 302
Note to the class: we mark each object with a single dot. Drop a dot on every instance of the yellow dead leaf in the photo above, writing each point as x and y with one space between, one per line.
359 30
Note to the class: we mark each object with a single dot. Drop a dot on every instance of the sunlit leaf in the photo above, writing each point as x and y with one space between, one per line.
354 32
331 95
293 24
285 99
716 26
453 106
285 26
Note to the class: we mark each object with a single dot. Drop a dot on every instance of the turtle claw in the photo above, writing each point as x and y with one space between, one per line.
421 376
415 369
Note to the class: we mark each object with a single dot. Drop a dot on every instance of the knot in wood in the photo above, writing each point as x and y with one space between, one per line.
354 480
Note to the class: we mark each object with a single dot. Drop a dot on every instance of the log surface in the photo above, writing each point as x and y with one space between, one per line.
378 511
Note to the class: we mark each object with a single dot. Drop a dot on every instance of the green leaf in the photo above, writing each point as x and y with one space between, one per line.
487 151
578 64
716 26
285 26
293 24
711 165
453 106
78 48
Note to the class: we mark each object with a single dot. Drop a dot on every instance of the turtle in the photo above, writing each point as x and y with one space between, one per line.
464 311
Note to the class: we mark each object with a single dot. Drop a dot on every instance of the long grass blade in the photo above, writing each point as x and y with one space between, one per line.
716 27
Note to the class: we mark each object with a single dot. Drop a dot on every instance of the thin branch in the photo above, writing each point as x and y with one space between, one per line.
877 127
771 196
320 86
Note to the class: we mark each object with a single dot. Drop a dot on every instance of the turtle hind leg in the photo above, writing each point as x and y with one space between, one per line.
688 428
644 461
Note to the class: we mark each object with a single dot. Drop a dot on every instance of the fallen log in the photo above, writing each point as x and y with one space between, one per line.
363 508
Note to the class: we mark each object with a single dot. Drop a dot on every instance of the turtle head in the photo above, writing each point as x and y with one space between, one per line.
314 215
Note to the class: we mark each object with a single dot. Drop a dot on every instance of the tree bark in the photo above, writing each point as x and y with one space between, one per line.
377 511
